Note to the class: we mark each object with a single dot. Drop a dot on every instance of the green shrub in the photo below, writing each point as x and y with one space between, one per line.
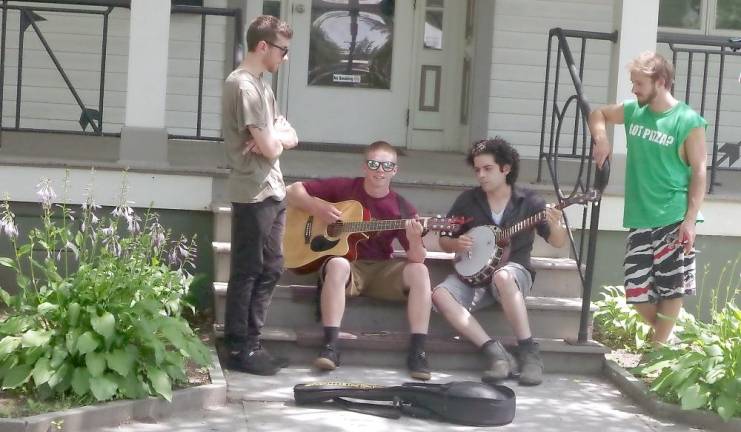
617 324
98 312
702 370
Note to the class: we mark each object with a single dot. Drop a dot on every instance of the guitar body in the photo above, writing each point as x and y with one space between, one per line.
306 243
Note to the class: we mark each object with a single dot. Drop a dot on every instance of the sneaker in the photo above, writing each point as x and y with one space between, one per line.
418 367
329 358
531 365
502 364
257 362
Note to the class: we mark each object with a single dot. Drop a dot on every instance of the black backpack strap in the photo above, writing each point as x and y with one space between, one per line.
404 207
406 210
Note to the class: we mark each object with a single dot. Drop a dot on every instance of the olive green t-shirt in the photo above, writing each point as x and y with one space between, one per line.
249 101
656 178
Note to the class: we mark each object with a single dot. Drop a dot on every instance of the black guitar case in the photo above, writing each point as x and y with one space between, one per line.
463 402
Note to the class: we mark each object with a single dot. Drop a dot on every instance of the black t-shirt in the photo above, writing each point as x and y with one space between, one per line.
522 204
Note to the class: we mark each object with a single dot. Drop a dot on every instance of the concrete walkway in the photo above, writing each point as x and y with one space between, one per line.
562 403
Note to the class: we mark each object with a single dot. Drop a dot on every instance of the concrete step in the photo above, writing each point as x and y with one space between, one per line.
295 306
222 234
556 277
389 349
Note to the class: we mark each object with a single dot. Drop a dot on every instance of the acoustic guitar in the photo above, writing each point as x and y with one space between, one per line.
308 241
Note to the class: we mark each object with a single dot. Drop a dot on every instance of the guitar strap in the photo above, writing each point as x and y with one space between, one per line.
404 207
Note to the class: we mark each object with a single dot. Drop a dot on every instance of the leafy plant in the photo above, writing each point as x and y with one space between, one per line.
703 370
98 312
617 324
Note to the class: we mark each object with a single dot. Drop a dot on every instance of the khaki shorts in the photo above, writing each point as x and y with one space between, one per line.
383 280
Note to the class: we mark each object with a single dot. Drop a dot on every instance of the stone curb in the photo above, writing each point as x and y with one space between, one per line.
639 392
112 414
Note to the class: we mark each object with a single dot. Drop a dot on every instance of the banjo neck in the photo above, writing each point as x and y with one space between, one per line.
538 217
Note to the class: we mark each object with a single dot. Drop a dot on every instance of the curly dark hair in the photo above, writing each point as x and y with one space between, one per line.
503 153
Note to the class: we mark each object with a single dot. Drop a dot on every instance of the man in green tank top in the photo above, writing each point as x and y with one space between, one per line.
664 188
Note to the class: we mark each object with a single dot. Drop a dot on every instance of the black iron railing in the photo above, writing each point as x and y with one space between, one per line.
712 53
588 176
31 14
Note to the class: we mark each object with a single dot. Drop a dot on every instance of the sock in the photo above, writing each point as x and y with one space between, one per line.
331 334
525 342
417 343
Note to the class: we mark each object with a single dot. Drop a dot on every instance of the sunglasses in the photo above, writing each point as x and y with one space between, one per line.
387 166
283 49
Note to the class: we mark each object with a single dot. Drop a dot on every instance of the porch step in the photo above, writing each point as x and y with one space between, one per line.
294 306
389 349
556 277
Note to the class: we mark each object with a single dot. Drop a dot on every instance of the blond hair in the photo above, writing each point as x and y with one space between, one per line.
380 145
655 66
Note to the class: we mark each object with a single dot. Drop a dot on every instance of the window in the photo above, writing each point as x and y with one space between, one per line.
187 2
710 17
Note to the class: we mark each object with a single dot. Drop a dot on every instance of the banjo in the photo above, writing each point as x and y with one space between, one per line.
490 242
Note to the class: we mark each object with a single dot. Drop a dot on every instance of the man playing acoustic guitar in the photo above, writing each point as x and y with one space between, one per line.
374 273
497 201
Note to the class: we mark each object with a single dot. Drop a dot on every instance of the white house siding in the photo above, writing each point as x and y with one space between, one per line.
76 41
520 44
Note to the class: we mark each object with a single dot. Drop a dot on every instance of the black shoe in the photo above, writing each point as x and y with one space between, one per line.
257 362
531 365
418 367
280 362
329 358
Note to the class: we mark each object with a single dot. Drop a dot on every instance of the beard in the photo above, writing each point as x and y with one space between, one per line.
648 99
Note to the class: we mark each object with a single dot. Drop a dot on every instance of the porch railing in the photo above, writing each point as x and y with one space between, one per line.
589 177
92 116
712 53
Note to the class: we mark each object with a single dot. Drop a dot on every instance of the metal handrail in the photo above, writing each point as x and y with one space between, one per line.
585 180
708 47
89 116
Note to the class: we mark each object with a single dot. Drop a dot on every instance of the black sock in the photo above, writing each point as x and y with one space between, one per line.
525 342
330 335
417 343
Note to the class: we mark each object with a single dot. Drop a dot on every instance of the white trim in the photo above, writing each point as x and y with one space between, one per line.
162 191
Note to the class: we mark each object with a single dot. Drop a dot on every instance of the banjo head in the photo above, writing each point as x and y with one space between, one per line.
482 255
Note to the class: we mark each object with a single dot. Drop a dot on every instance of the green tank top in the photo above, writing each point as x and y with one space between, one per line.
656 178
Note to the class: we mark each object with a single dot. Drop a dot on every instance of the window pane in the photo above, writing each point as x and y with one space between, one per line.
271 7
351 43
434 30
680 14
728 15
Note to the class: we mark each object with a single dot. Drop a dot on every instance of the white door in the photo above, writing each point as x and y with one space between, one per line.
340 85
440 75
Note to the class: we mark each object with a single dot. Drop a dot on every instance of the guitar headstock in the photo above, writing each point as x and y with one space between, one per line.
446 225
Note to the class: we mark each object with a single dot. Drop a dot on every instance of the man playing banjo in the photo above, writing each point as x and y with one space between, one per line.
497 201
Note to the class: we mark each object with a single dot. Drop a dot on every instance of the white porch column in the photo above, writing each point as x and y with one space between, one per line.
637 24
144 136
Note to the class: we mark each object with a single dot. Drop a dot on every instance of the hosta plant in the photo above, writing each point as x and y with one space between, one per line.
97 315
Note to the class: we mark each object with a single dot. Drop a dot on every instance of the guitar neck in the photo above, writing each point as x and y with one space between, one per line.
372 225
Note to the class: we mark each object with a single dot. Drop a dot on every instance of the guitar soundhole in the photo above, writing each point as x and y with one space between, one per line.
321 244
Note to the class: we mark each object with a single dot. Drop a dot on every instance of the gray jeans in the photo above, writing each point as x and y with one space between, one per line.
480 296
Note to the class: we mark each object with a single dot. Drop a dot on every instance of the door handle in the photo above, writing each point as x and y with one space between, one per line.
299 8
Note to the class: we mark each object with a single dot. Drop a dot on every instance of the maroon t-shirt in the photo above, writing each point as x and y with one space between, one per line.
378 246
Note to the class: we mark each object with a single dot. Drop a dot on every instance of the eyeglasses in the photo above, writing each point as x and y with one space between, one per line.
387 166
283 49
